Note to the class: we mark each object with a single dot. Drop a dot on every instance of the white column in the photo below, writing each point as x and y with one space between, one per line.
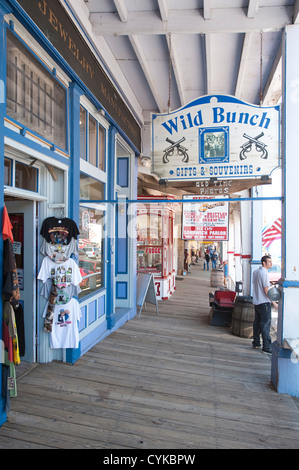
285 366
231 249
237 247
256 231
246 242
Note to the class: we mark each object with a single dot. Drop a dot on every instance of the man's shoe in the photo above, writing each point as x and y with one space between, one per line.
256 347
268 353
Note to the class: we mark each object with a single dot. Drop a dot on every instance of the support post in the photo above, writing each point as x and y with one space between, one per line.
285 365
4 9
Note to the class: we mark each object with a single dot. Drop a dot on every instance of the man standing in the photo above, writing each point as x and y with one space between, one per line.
262 306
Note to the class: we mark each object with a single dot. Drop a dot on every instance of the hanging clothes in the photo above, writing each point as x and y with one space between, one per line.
10 276
6 226
59 273
19 315
9 320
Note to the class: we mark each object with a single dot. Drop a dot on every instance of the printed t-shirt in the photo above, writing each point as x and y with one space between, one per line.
59 252
65 330
61 231
62 274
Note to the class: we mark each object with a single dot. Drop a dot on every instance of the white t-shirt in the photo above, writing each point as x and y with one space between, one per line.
65 331
62 274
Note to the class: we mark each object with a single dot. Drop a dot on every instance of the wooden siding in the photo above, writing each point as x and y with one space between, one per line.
170 381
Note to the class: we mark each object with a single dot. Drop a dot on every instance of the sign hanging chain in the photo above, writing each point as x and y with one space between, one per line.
261 68
169 73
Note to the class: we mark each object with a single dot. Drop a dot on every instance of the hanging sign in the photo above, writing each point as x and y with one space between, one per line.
216 136
204 220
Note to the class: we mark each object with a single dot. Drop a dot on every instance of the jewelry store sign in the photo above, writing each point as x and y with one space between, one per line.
204 220
216 136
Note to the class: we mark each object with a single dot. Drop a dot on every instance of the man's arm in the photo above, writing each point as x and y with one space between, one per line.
275 304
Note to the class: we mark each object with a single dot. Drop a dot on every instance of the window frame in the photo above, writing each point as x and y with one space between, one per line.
89 113
92 171
45 68
13 163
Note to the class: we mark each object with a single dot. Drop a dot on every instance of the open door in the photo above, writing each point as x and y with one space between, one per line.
22 214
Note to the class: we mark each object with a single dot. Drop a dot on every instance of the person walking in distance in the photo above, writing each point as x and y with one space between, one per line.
214 257
206 260
262 306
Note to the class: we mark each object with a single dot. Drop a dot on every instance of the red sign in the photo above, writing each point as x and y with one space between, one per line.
205 220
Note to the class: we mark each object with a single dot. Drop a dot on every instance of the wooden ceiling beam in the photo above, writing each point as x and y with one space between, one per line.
147 71
223 20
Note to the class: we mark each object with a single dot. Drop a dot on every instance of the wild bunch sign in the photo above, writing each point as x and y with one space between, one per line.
216 136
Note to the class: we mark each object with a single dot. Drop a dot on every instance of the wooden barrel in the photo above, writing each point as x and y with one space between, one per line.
243 317
217 277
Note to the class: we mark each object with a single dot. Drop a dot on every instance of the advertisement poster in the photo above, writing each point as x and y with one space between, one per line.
205 220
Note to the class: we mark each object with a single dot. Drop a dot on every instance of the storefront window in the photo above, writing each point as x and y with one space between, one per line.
34 97
92 140
91 188
91 254
101 148
149 240
83 147
7 172
92 128
25 177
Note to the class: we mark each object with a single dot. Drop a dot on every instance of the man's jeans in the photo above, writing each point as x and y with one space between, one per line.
261 326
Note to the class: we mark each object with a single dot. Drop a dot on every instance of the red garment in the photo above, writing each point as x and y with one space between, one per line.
6 226
7 341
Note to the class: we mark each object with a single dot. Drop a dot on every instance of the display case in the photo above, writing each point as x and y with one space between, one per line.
155 252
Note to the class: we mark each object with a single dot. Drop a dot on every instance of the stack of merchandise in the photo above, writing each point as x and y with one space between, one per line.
61 278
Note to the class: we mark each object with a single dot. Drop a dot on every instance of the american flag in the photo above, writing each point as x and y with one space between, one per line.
271 233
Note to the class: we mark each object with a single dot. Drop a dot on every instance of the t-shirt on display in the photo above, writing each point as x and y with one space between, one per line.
65 333
62 274
59 230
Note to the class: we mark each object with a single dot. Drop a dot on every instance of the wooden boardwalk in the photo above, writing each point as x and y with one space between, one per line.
159 382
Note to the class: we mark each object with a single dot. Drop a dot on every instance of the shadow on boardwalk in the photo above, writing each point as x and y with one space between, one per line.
167 381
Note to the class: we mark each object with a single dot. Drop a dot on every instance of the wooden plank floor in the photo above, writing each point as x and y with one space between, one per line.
159 382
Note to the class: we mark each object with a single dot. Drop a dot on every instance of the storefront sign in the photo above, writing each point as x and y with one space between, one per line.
217 188
54 22
205 220
216 137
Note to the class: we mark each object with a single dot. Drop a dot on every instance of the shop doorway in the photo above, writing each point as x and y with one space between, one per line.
23 216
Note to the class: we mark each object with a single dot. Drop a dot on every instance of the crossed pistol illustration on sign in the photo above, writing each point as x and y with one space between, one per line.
246 148
259 146
169 151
